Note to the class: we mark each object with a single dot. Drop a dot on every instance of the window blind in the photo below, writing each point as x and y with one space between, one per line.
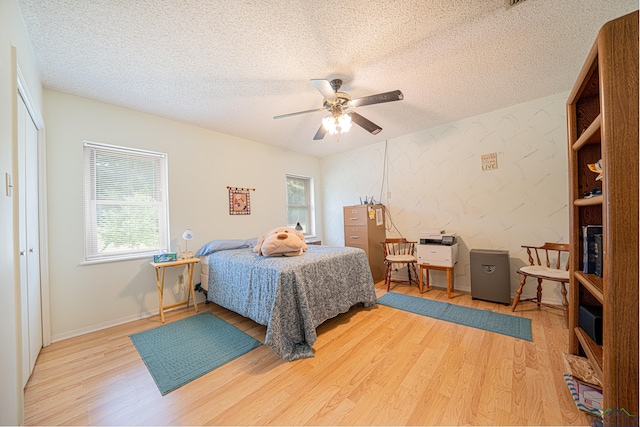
299 203
125 202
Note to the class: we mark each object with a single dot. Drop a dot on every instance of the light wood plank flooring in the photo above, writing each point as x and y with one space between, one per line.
374 366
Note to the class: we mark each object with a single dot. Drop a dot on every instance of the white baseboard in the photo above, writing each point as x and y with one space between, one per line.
116 322
101 326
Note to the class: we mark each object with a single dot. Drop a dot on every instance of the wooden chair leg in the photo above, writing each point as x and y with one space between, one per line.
387 278
565 303
563 290
415 274
516 299
539 293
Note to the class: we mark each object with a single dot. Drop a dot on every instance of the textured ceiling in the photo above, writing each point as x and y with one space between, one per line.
231 65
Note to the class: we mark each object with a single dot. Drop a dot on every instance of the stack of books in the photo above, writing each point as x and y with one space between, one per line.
592 249
584 386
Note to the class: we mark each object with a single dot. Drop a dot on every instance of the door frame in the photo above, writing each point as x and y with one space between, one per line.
36 116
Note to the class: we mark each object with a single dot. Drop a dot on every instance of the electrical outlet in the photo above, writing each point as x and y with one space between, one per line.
181 280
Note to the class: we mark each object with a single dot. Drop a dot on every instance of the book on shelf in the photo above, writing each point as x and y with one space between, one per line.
597 248
588 249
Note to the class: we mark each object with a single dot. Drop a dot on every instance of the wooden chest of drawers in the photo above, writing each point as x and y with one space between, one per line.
366 231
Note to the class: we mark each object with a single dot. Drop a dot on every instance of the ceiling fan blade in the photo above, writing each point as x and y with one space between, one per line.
320 134
366 124
395 95
324 87
299 112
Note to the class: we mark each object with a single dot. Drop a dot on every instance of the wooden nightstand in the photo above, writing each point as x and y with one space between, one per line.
160 266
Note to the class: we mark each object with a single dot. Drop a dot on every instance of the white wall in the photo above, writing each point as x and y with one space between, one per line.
436 182
202 163
13 38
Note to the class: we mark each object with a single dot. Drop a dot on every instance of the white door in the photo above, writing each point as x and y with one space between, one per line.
29 240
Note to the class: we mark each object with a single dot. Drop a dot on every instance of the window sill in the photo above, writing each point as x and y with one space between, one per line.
121 259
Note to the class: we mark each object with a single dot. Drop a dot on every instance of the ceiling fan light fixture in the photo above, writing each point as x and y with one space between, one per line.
341 108
344 122
330 125
336 124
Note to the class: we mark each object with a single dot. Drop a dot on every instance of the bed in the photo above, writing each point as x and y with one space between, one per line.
291 296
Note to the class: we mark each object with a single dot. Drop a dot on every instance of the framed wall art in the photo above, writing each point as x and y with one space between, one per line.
239 201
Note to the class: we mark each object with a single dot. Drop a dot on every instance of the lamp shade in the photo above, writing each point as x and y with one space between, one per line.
188 234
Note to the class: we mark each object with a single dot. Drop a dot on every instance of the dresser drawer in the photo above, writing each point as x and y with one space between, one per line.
355 215
355 235
364 247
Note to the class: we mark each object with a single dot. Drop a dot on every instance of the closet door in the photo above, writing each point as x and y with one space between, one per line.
29 240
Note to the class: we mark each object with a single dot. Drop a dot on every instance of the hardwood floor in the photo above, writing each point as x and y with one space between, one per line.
372 366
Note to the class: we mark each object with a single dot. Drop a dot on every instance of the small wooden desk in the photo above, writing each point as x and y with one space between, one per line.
160 266
450 276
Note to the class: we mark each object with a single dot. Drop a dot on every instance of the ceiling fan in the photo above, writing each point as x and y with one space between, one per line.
342 107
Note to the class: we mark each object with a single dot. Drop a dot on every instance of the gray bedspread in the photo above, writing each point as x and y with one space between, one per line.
292 296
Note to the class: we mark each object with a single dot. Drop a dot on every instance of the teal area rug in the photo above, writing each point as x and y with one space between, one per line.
513 326
181 351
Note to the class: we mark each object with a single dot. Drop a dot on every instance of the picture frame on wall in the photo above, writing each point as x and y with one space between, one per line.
239 201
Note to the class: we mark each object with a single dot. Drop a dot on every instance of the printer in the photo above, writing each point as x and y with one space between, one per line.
438 248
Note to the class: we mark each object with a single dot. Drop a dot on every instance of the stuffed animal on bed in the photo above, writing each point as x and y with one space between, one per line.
281 241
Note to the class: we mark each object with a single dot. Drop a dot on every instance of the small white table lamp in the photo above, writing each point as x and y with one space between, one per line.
187 235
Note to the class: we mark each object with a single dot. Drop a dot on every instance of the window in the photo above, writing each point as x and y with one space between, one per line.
125 202
300 204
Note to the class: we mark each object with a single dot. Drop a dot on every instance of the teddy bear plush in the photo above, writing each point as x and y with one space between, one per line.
281 241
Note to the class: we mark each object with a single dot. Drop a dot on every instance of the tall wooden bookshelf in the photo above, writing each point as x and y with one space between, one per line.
602 123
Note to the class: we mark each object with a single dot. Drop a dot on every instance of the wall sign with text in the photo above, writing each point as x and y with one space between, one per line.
489 161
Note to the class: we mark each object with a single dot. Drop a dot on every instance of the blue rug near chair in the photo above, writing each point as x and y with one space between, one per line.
181 351
513 326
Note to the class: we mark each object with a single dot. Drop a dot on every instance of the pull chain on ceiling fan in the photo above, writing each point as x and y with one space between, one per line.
341 107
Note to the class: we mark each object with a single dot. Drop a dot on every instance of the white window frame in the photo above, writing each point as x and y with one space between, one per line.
92 253
309 205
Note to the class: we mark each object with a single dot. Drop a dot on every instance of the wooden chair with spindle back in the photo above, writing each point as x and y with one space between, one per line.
400 251
554 269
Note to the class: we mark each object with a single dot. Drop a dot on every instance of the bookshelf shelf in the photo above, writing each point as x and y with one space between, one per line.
593 284
591 201
591 135
593 351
